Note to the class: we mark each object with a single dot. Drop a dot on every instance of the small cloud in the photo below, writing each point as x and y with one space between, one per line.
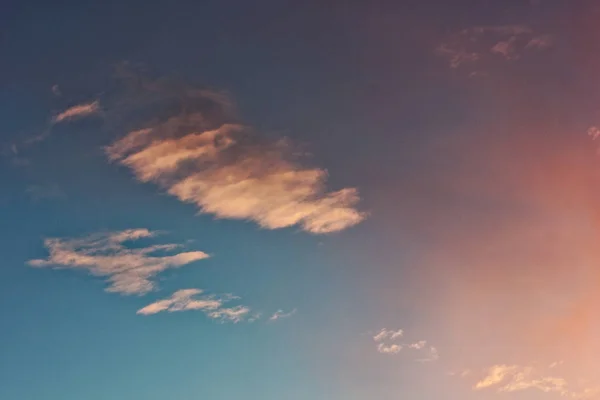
182 300
418 345
129 270
388 334
56 90
593 132
506 48
77 111
280 314
472 47
234 314
391 349
41 192
185 300
540 42
388 342
496 375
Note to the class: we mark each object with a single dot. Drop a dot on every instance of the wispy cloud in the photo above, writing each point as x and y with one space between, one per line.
230 173
129 270
280 314
389 349
186 300
389 342
594 132
56 90
388 334
233 314
182 300
474 46
77 111
514 378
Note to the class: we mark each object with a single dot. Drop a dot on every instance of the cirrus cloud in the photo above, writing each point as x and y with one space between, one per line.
186 300
129 270
77 111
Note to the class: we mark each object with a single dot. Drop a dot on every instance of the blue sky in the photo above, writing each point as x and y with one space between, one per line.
299 200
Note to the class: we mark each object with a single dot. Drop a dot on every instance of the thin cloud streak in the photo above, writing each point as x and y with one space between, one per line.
212 306
129 270
516 378
77 111
280 314
473 46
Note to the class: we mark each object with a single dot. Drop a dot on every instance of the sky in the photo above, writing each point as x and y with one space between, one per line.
336 200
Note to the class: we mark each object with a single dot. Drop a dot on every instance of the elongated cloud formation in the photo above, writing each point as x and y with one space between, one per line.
78 111
212 306
230 173
388 334
514 378
129 270
280 314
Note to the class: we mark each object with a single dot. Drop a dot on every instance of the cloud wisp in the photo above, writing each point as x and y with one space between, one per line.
389 342
280 314
129 270
187 300
77 111
515 378
473 46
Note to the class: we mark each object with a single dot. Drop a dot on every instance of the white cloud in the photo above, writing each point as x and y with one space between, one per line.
389 349
388 334
280 314
418 345
388 342
514 378
230 173
212 306
233 314
182 300
77 111
129 270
